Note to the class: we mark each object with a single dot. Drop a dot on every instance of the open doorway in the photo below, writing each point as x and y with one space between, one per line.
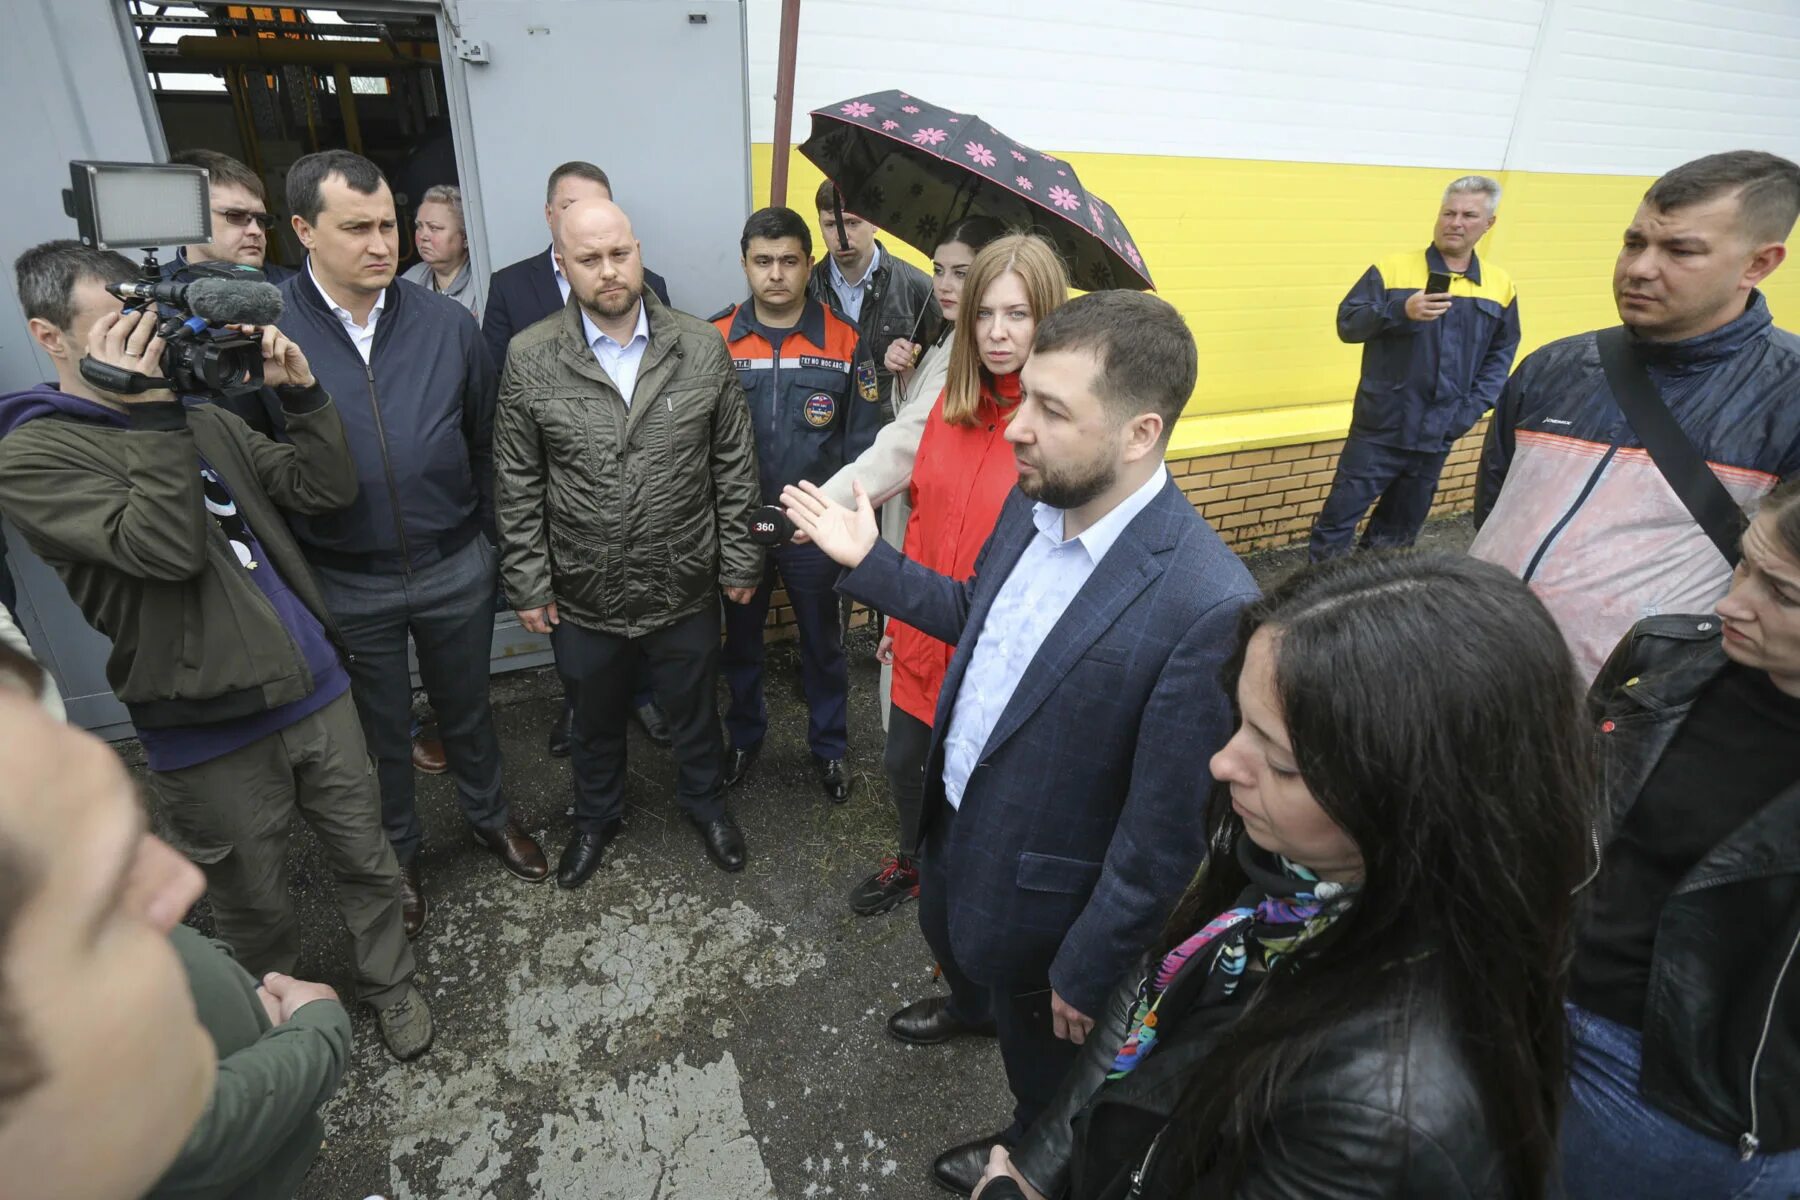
268 84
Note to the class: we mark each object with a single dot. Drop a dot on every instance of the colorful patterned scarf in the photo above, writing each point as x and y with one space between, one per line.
1277 913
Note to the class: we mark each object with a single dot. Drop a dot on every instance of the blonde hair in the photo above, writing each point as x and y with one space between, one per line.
1046 281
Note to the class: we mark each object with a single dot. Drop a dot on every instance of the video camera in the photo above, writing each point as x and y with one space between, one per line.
145 205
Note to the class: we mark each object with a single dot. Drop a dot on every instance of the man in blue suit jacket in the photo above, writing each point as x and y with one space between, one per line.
524 293
519 296
1066 786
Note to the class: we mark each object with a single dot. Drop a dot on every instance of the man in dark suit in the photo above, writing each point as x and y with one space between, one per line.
519 296
1066 785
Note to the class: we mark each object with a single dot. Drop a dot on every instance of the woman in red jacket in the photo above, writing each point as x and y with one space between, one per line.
961 478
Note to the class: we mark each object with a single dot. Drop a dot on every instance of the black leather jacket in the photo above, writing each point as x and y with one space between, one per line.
1722 1014
890 310
1388 1107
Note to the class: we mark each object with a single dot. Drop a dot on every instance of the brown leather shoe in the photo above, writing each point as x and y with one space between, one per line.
428 756
516 851
414 907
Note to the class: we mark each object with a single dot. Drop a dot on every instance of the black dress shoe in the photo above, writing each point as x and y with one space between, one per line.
724 841
929 1021
960 1168
561 730
414 907
740 764
655 725
581 857
834 777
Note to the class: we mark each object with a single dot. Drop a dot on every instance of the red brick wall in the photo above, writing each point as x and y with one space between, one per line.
1260 499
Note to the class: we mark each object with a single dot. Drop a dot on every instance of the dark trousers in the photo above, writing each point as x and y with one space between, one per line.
1399 483
1036 1059
682 665
639 698
231 817
908 746
448 608
811 582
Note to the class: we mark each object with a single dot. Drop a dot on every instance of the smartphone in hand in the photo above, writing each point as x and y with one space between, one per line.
1437 283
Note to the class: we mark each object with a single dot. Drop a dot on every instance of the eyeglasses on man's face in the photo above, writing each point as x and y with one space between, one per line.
240 217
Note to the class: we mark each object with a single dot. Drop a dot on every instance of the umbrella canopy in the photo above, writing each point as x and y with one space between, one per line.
914 169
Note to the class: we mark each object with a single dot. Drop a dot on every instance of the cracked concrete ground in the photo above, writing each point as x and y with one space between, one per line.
667 1032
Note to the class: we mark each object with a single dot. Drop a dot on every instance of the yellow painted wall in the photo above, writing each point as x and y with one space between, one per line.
1257 255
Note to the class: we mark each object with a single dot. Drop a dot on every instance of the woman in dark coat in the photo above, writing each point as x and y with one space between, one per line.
1360 995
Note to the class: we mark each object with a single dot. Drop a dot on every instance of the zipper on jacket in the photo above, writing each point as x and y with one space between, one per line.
1749 1142
1594 838
1143 1169
1586 490
387 468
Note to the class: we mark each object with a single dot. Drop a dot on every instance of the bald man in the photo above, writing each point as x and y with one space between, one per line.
625 476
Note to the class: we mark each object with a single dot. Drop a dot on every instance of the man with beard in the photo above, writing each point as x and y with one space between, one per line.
625 476
1064 806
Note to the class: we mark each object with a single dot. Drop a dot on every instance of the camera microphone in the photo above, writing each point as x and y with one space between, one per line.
770 526
235 301
217 300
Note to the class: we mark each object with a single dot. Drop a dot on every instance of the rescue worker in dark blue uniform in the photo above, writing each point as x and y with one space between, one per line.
815 407
1433 362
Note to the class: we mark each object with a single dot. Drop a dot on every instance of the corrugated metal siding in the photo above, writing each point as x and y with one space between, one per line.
1627 87
1634 87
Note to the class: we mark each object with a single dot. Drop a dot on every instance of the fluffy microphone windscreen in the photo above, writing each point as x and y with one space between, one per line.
235 301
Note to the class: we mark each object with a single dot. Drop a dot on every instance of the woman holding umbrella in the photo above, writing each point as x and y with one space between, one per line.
959 480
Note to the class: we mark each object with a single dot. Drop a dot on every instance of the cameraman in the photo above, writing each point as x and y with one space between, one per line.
165 522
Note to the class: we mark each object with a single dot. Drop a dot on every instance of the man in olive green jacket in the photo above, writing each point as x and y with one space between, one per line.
165 522
625 476
283 1045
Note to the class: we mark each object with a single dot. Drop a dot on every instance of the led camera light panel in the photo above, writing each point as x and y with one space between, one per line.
122 205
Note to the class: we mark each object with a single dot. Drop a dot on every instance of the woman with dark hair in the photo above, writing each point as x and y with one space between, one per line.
1685 998
1360 995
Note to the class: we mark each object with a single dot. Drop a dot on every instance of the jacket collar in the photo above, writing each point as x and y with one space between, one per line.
1435 262
306 292
1722 343
573 347
811 326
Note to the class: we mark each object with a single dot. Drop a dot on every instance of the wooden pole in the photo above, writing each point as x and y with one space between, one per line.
784 99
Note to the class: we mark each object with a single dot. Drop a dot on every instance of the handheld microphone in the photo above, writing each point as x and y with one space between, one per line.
770 526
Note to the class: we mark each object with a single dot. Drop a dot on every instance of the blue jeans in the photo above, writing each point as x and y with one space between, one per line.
1614 1144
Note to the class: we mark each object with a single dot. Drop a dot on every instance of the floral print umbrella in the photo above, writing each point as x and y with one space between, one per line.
914 169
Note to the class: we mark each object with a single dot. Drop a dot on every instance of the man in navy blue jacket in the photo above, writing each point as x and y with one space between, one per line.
1438 332
1066 788
414 554
519 296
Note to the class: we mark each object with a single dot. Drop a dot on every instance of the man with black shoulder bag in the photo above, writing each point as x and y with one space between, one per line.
1619 463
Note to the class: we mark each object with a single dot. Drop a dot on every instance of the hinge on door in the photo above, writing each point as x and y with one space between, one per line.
470 50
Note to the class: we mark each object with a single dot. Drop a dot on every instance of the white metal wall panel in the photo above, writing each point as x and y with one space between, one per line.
1360 81
1634 87
1583 86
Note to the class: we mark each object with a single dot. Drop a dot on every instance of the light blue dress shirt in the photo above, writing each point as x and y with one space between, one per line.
1032 600
851 295
620 362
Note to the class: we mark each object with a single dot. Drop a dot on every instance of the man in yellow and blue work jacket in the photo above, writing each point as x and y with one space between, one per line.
1436 352
815 407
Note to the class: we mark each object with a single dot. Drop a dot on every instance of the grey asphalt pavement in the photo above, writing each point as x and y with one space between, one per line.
667 1032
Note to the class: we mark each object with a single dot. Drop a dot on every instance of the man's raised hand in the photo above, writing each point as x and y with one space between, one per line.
845 535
